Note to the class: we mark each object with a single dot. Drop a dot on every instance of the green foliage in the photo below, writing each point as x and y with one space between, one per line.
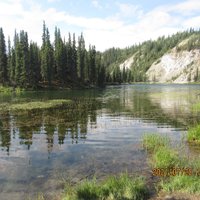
8 90
194 134
153 141
5 89
116 188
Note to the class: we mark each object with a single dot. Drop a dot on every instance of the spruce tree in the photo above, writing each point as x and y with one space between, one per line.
47 60
18 59
81 58
92 64
25 69
34 59
3 59
69 59
9 59
100 71
59 57
74 60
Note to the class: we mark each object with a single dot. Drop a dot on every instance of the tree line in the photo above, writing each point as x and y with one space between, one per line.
145 54
65 63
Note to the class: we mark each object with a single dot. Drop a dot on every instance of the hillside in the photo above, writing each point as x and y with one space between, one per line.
172 59
178 67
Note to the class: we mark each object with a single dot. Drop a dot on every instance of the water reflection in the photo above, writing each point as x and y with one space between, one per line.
65 123
162 105
101 135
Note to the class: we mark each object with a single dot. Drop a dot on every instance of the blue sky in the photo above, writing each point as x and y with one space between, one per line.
104 23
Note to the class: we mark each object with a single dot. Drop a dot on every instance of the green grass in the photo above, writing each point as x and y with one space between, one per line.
114 188
164 157
196 107
186 178
194 134
182 183
153 141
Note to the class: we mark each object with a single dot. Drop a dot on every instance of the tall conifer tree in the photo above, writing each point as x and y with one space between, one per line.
3 59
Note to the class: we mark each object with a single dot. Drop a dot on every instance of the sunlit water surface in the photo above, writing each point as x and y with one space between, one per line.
42 149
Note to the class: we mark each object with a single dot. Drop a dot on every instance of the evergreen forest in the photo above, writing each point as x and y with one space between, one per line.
67 63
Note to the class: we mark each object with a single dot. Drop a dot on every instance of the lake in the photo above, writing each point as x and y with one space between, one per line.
42 149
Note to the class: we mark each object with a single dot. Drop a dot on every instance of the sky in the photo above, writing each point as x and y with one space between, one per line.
104 23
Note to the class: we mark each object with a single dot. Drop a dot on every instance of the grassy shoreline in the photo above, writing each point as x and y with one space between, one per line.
177 173
177 176
113 188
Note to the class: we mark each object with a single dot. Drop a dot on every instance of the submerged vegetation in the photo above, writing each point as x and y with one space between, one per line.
23 105
35 105
39 104
114 188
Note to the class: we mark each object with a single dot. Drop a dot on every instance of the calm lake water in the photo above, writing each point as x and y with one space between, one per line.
42 149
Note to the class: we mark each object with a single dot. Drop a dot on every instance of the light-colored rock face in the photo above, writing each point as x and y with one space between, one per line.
175 66
127 63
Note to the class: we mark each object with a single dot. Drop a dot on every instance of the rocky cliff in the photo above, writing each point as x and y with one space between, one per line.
179 64
175 66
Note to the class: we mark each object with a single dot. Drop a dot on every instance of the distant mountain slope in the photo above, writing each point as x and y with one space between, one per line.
172 59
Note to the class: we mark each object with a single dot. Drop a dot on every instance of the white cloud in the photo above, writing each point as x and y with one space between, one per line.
96 4
128 10
114 30
53 1
193 22
187 7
